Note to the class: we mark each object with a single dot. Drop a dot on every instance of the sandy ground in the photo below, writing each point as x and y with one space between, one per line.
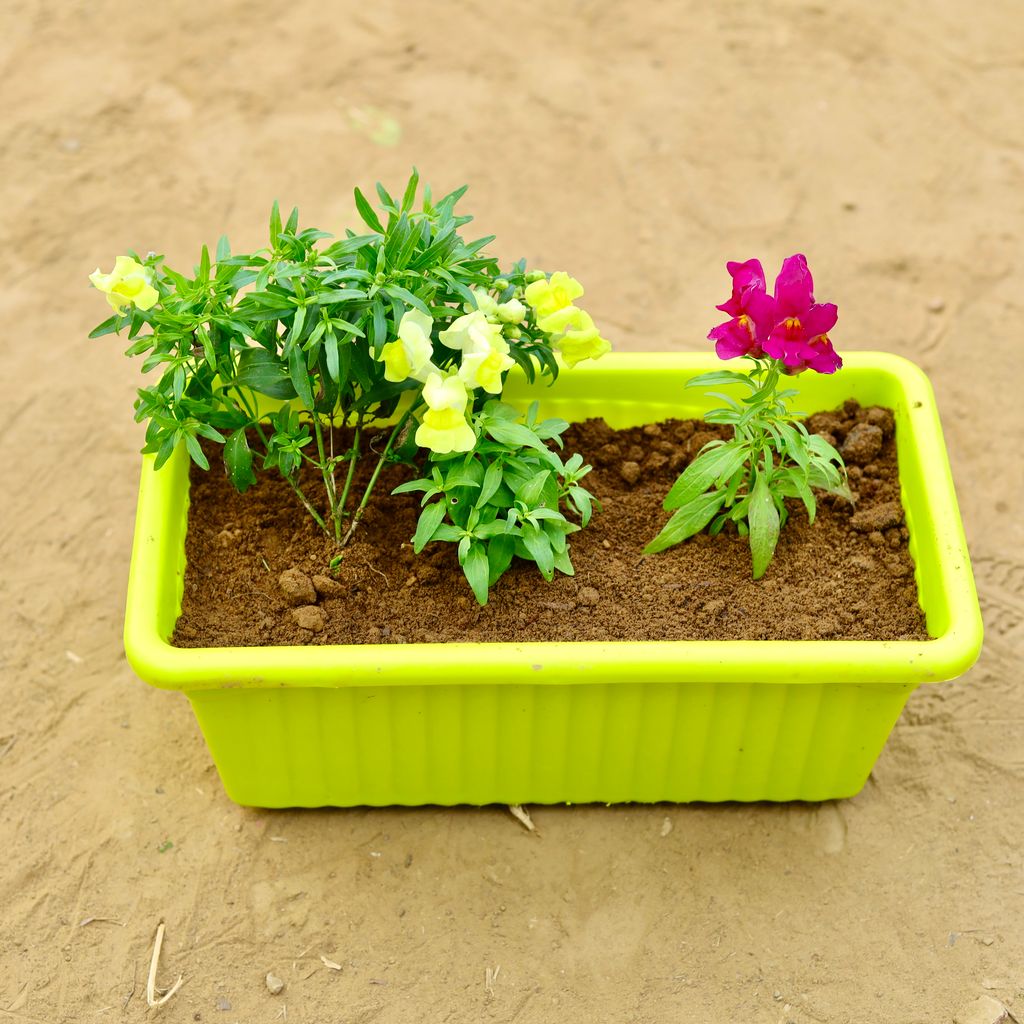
640 146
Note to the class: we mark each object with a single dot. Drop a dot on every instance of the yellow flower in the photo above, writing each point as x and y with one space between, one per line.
471 333
129 282
547 297
564 319
410 355
444 427
484 351
581 341
486 303
484 369
512 312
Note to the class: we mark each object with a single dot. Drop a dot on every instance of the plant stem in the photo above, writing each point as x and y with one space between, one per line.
327 471
318 519
353 459
358 514
307 504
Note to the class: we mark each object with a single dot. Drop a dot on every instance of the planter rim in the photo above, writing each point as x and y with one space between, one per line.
675 661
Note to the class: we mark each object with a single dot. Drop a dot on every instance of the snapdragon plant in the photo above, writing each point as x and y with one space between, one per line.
404 323
504 498
771 456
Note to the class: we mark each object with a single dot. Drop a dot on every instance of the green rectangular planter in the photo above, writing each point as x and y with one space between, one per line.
572 722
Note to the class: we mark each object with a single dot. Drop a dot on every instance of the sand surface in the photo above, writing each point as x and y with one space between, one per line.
640 146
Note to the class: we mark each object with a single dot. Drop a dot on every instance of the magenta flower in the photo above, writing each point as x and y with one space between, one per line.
799 338
752 311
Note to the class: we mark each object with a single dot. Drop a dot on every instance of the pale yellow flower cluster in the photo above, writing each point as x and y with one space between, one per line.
484 359
573 331
480 338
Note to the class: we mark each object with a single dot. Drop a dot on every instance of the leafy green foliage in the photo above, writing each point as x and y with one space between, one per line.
746 479
268 353
304 322
506 499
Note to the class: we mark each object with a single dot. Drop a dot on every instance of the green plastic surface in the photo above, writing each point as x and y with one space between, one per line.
572 722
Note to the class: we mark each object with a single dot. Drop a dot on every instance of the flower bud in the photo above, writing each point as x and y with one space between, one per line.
500 283
535 275
485 302
511 312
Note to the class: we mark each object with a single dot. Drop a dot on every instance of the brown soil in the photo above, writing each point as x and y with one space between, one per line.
258 567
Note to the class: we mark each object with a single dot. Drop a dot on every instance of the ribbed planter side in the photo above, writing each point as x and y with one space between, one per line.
317 746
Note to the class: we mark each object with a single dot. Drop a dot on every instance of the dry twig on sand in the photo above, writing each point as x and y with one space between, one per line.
490 977
151 989
522 815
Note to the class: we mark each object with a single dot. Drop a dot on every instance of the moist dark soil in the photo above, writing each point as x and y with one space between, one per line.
258 565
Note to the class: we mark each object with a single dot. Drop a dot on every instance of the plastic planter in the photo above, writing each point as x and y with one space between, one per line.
572 722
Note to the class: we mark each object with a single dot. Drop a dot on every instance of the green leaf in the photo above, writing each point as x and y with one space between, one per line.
429 521
295 334
411 486
456 285
714 464
718 377
207 343
476 568
366 212
827 477
385 197
204 265
447 532
331 348
348 274
563 563
722 416
499 556
531 491
491 483
409 196
259 370
819 446
347 246
238 461
196 452
407 297
583 501
553 428
514 434
796 445
688 520
763 517
378 327
108 326
807 497
208 431
485 531
462 476
275 224
339 295
299 375
539 547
